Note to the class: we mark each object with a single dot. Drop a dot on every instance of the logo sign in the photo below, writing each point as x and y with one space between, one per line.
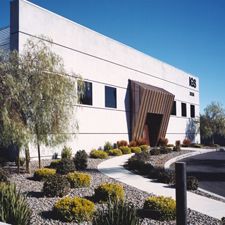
192 82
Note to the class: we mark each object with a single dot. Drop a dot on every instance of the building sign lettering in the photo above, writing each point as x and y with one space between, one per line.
192 82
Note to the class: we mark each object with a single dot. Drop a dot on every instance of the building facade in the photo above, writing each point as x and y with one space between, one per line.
129 95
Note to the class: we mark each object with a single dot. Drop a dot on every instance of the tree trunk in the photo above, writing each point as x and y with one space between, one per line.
27 155
39 155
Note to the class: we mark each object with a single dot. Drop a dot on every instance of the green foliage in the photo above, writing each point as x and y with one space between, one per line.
144 147
56 185
81 160
65 166
194 145
167 177
117 213
165 150
223 220
74 209
160 208
135 149
66 153
4 176
125 150
109 191
98 154
78 180
155 151
108 146
13 206
115 152
192 183
177 148
43 174
54 164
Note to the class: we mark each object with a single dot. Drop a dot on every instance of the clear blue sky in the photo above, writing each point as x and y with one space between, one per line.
188 34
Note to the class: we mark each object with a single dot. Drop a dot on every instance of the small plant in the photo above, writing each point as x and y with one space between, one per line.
155 151
192 183
43 174
65 166
186 142
160 208
66 153
78 180
141 141
177 146
144 147
81 160
165 150
163 141
13 206
54 164
109 191
108 146
117 213
98 154
133 144
125 150
135 149
167 177
115 152
223 220
122 143
155 172
56 185
4 176
74 209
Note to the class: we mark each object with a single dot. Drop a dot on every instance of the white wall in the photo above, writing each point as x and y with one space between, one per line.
104 61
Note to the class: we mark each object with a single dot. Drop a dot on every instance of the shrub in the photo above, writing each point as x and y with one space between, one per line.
4 176
160 208
66 153
65 166
223 220
54 164
81 160
56 185
170 146
167 177
43 174
133 144
163 141
165 150
117 213
121 143
135 149
155 151
78 180
109 191
177 146
155 172
186 142
74 209
192 183
13 206
125 150
194 145
98 154
144 147
108 146
141 141
115 152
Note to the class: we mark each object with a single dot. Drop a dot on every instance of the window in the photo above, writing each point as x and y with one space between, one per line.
174 109
192 111
183 109
86 93
110 97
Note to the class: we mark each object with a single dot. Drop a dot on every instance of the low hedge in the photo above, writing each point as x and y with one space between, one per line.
144 147
109 191
192 183
167 177
160 208
43 173
136 150
115 152
78 180
74 209
125 150
65 166
54 164
155 151
98 154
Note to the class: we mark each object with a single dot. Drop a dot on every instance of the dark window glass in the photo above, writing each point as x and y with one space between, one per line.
86 94
174 109
183 109
192 111
110 97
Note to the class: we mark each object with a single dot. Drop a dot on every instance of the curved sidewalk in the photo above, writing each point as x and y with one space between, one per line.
114 168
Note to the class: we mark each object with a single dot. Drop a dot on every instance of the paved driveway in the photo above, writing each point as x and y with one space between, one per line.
209 168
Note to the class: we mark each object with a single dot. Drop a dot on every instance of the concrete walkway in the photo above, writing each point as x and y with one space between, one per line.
114 168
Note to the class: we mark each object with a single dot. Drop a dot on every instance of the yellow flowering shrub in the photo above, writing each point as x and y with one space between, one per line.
77 179
43 173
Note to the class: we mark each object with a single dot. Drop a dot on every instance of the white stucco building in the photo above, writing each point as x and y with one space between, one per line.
129 94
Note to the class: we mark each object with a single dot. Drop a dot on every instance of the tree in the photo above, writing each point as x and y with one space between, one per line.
212 122
37 96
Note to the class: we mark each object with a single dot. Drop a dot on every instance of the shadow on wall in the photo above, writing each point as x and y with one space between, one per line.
127 104
191 129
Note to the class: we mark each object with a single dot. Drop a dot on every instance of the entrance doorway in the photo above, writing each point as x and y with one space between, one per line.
153 124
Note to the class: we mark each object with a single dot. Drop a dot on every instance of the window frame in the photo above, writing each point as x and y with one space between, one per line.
110 103
84 99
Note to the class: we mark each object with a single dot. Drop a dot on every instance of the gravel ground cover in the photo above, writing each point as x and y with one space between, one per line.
42 206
